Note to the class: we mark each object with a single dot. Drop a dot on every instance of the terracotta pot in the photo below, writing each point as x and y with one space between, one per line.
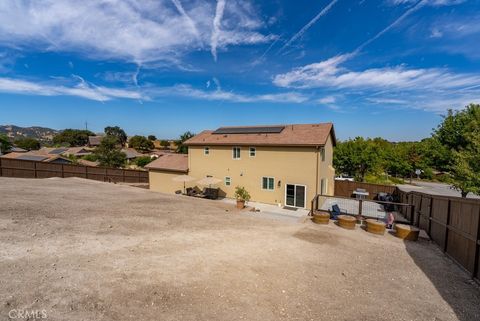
321 217
240 204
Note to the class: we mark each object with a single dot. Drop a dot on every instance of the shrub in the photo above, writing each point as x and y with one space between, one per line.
242 194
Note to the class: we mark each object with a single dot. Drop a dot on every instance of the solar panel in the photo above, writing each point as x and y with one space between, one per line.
58 151
250 130
31 157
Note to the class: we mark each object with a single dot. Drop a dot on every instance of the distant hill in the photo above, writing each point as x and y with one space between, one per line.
43 134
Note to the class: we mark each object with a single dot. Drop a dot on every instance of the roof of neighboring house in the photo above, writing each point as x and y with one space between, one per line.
170 162
77 151
18 150
278 135
94 140
88 163
131 153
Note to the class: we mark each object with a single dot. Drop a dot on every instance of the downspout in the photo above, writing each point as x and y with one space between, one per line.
316 172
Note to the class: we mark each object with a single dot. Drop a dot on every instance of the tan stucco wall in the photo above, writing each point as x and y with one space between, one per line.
289 165
161 181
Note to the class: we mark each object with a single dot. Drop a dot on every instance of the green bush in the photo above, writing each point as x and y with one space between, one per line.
242 194
142 161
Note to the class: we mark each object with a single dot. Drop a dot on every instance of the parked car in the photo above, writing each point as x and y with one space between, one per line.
344 178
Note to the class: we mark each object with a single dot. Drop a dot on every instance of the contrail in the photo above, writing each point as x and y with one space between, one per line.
216 27
308 25
416 7
189 20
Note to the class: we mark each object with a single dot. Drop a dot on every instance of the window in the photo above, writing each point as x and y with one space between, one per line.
253 151
228 181
268 183
322 153
236 152
206 151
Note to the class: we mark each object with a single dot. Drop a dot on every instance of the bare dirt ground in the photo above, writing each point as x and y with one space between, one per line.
84 250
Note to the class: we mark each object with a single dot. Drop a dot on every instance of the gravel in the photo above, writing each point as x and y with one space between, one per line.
86 250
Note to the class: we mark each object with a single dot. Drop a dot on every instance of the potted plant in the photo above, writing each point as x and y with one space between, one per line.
242 196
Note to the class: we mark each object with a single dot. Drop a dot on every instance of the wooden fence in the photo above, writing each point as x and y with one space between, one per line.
451 222
33 169
346 188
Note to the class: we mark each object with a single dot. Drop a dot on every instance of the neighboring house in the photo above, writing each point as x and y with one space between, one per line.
285 165
52 155
78 151
94 141
131 153
15 149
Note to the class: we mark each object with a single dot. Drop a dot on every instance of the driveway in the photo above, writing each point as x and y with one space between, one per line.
433 188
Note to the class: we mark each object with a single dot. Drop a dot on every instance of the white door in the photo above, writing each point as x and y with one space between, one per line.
295 195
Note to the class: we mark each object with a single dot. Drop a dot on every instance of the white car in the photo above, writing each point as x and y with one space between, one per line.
344 178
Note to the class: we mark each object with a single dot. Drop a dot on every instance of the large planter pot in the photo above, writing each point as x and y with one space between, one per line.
375 227
406 232
321 217
347 222
240 204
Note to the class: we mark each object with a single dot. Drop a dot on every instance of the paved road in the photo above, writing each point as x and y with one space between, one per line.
433 188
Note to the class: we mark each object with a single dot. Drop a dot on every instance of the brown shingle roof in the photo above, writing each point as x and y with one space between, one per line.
291 135
170 162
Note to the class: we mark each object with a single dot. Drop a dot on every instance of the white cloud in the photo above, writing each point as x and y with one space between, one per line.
327 100
434 3
81 89
78 87
134 30
217 20
429 88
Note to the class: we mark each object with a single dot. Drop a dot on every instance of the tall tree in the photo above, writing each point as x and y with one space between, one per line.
184 137
109 154
357 157
72 137
28 143
5 144
140 143
152 137
117 132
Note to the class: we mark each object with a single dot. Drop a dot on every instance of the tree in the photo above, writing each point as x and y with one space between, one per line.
27 143
72 137
109 154
141 144
466 168
460 133
5 144
117 132
152 137
164 143
183 149
142 161
357 157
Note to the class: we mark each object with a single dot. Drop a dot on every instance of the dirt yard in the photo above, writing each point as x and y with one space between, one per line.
84 250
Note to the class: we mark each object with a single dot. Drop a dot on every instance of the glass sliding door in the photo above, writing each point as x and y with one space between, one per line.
295 195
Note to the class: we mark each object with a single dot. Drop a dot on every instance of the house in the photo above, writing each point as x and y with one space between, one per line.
53 155
285 165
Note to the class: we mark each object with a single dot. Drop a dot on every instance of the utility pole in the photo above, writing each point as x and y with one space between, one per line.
86 125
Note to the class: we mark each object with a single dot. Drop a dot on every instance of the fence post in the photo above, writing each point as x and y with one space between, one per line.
360 207
430 216
63 172
445 242
476 263
35 169
1 171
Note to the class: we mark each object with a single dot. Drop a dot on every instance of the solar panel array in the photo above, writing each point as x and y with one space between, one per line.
249 130
32 157
58 151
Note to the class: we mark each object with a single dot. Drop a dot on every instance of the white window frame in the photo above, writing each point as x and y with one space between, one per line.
268 178
206 150
229 180
239 153
250 149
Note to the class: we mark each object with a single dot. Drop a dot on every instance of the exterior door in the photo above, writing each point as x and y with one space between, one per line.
295 195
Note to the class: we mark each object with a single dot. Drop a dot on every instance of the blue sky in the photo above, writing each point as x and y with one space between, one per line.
375 68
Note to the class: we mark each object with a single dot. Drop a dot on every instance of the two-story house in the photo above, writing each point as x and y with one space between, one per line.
285 164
